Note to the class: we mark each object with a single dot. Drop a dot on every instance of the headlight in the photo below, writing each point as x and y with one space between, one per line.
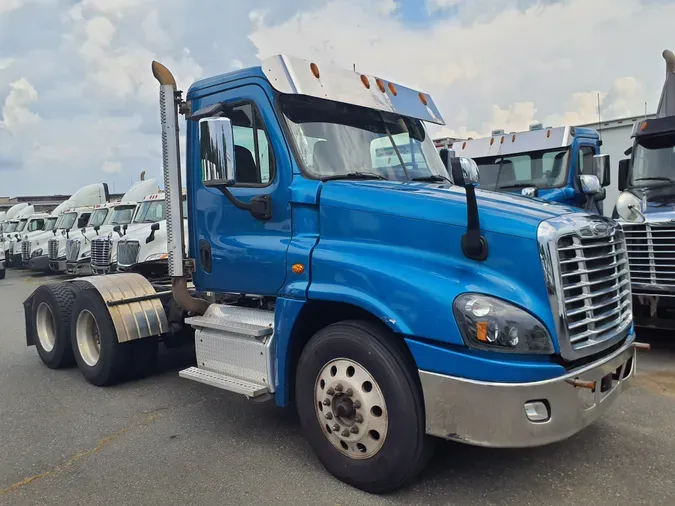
629 207
157 256
492 324
86 254
36 253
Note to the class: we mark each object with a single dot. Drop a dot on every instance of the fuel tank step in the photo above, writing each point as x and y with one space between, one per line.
228 383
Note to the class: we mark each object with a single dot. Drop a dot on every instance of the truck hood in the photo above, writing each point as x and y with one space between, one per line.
502 213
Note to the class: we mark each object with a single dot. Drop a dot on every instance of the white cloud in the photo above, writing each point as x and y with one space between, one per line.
15 112
111 167
439 5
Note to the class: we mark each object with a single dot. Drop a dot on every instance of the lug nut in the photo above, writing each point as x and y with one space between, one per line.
336 428
326 402
329 416
345 433
330 391
338 387
349 392
357 404
358 418
355 430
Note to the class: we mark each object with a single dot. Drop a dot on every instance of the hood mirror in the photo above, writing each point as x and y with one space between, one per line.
590 185
530 191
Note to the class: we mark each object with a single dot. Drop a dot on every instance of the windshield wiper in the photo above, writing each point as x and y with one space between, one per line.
354 175
518 185
656 178
433 178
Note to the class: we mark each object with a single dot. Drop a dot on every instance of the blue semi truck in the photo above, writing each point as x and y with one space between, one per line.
558 164
388 302
645 210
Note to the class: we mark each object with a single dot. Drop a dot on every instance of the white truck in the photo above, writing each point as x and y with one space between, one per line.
35 224
9 225
13 238
110 218
33 245
145 249
104 248
75 218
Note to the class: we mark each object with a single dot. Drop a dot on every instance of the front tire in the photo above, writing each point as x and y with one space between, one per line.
361 407
101 358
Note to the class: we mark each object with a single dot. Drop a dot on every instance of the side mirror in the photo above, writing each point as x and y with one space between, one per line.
124 228
96 229
465 172
153 228
624 166
590 185
116 229
530 191
601 169
216 147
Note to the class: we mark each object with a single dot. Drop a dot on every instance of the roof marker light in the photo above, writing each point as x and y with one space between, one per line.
423 98
392 89
380 84
365 81
315 69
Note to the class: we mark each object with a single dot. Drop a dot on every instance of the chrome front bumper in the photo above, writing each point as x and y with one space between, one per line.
102 269
39 263
79 268
494 415
58 265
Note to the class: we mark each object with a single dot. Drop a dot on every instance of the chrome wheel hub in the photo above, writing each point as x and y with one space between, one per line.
88 338
45 328
351 409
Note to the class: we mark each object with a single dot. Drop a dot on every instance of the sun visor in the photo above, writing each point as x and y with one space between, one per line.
292 75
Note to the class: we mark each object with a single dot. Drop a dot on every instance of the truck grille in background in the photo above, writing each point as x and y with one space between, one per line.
651 253
25 251
72 250
595 287
100 251
127 252
53 249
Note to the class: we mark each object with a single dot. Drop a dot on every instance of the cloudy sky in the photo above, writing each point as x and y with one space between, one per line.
78 103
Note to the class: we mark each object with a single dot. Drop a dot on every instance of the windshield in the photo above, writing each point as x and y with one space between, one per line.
36 224
22 225
150 211
338 139
540 169
49 224
11 226
98 217
67 221
654 161
122 215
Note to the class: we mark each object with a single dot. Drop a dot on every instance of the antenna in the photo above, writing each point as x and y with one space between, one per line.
599 119
354 65
645 109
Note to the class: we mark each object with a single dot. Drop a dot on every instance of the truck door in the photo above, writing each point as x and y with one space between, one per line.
234 250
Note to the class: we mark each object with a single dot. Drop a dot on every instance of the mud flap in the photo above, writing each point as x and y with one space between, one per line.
28 315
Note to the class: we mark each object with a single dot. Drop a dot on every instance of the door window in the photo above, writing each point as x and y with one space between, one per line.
586 160
252 150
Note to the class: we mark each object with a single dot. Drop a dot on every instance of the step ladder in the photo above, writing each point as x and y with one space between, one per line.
234 348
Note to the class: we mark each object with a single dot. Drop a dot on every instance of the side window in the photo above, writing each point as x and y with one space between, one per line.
83 220
586 160
252 150
36 225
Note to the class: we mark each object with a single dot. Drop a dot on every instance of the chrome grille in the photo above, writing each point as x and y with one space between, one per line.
651 254
25 251
127 252
100 251
53 249
595 285
72 250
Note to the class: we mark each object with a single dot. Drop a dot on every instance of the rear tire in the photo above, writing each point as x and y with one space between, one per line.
99 355
52 305
369 381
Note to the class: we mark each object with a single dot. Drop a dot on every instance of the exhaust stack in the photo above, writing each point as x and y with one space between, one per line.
172 189
667 101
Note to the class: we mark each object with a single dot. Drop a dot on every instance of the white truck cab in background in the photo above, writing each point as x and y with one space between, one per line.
73 219
110 218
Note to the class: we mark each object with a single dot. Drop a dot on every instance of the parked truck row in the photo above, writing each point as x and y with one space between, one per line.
325 254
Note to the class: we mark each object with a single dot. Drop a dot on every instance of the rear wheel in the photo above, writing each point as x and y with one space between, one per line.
52 305
361 407
99 355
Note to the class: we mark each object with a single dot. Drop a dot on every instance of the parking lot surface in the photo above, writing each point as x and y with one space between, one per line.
164 440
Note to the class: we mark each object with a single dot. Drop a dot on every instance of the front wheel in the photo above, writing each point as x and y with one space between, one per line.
361 406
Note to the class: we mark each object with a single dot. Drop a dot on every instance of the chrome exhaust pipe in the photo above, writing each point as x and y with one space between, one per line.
172 189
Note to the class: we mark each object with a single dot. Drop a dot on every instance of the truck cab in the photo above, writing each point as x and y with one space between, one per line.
385 300
109 218
561 164
13 239
104 247
645 210
34 246
144 249
73 220
35 225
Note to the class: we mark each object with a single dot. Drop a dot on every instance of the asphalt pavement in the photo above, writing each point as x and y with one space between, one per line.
165 440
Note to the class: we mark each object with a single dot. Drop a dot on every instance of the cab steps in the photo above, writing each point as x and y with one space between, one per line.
234 348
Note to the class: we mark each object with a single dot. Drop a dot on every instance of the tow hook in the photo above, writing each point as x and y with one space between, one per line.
642 346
